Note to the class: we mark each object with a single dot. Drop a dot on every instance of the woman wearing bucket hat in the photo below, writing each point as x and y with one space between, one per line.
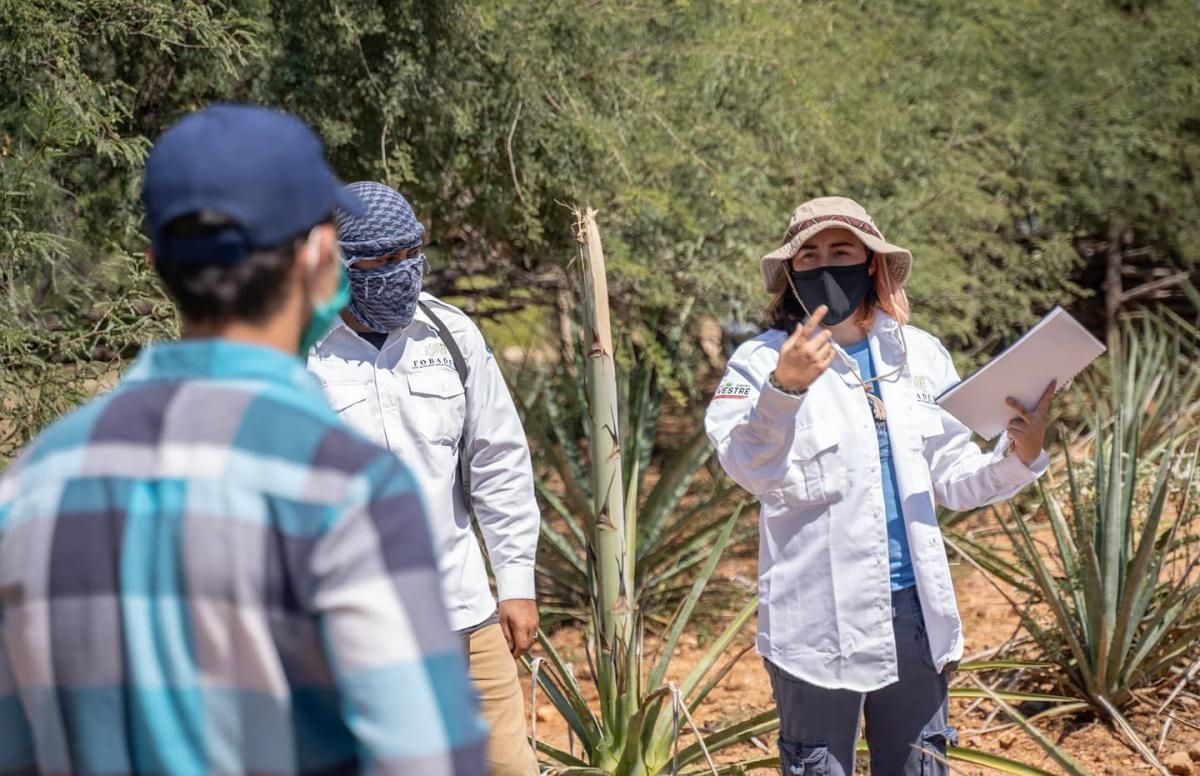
830 419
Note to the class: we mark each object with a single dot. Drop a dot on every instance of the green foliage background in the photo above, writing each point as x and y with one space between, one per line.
996 139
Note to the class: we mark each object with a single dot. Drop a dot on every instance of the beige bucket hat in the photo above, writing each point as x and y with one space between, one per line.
823 213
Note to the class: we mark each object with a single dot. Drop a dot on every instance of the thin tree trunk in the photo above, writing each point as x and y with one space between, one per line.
1113 287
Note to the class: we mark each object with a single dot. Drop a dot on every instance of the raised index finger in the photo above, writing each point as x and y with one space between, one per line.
813 322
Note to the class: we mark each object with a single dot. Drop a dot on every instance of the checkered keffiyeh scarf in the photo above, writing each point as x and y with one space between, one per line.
382 298
389 225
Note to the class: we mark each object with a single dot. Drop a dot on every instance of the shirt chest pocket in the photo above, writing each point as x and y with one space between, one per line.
926 425
816 474
438 406
921 418
349 401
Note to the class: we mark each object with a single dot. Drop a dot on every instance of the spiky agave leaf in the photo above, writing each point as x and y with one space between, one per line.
1055 752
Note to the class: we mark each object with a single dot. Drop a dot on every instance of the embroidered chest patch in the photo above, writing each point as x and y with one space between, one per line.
430 354
925 394
732 389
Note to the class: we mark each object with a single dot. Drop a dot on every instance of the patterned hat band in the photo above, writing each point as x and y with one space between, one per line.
857 223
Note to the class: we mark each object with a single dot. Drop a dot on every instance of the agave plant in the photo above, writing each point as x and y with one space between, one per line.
1122 582
1118 573
1121 574
1120 577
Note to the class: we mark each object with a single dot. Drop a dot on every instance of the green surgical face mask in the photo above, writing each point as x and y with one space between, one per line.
324 313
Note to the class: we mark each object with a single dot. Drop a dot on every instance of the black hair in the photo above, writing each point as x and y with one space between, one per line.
249 291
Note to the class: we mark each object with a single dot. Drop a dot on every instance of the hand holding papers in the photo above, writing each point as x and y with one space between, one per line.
1056 349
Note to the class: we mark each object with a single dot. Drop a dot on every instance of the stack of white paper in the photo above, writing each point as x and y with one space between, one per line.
1057 348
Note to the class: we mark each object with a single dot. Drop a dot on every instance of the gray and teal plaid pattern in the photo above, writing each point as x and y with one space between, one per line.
205 572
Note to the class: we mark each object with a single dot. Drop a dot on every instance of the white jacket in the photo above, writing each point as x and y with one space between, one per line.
409 398
813 461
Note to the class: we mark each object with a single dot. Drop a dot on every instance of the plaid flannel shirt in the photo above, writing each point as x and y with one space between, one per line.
205 572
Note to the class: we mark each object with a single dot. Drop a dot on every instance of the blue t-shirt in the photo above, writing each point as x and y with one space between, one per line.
899 560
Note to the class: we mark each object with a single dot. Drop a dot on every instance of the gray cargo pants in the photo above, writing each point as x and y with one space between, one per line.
906 722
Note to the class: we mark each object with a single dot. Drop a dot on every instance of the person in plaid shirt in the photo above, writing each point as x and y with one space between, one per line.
205 571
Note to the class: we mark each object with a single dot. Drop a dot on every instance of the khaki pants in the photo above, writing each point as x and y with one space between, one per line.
494 674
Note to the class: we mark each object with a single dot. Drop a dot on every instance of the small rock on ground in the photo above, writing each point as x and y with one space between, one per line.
1180 764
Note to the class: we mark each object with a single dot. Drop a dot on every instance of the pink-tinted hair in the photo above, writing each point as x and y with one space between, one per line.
889 297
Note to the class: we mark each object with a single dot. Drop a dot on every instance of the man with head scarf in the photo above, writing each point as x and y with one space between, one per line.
414 374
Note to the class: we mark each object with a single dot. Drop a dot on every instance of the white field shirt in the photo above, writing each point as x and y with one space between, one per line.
408 397
824 587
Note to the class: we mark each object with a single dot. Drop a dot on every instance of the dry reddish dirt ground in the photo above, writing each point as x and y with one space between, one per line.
990 623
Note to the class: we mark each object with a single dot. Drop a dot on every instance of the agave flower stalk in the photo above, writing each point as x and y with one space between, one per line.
613 544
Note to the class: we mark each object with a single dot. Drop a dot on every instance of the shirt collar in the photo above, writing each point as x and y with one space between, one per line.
891 350
883 324
222 359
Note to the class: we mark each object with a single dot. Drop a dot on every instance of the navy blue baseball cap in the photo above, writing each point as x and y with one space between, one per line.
263 169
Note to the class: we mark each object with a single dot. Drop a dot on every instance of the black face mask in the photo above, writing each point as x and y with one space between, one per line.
841 289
